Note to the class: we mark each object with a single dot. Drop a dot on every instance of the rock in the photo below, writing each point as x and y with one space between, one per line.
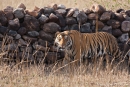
70 12
12 33
32 13
70 21
53 49
29 39
19 13
43 19
44 43
92 16
106 16
3 30
114 23
87 11
40 48
120 10
38 54
97 8
123 38
116 32
14 24
9 15
53 18
76 12
31 23
82 17
3 19
33 33
22 42
54 6
8 9
60 6
100 25
61 11
51 57
26 49
21 5
26 57
18 36
22 30
85 28
48 10
10 47
45 36
107 29
125 26
61 21
1 37
51 27
119 17
75 27
128 12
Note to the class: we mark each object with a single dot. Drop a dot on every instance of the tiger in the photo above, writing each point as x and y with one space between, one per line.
87 45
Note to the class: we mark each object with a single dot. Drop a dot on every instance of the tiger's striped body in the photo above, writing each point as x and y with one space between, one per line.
87 45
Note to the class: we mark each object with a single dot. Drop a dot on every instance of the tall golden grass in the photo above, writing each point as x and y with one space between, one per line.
52 76
109 4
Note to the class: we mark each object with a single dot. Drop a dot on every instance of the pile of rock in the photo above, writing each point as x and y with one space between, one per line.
30 34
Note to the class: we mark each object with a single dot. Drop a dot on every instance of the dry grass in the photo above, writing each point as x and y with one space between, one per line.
39 76
109 4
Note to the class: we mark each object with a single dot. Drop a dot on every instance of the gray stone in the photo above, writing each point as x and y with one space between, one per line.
92 16
22 42
61 11
76 12
12 33
85 28
116 32
46 36
18 36
8 9
106 16
44 43
31 23
38 54
114 23
107 29
3 19
3 30
70 12
125 26
33 33
53 18
75 27
29 39
48 10
60 6
97 8
22 30
21 5
26 49
51 27
124 37
70 21
14 24
81 17
43 19
19 13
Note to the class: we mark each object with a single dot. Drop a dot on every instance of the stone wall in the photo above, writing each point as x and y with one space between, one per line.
29 34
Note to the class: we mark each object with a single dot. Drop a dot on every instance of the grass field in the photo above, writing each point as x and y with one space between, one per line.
37 76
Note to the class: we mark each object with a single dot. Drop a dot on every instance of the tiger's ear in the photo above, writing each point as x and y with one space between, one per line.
57 33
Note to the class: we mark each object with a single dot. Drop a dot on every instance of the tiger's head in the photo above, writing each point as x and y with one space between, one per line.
63 40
